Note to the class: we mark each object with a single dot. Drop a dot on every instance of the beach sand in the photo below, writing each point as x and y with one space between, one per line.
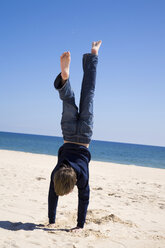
127 205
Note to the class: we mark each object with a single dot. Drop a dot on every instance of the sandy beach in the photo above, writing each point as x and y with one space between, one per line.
127 205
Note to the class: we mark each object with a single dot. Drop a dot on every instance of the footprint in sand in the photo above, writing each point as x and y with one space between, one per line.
10 243
98 188
111 194
35 243
115 195
92 217
161 205
40 178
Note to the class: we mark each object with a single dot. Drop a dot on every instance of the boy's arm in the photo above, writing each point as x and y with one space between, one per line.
83 195
52 204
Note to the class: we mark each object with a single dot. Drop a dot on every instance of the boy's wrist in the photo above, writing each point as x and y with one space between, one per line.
80 225
51 221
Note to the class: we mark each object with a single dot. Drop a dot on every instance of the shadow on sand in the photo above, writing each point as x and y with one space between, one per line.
16 226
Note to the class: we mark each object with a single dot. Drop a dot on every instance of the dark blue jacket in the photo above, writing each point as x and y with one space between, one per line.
78 157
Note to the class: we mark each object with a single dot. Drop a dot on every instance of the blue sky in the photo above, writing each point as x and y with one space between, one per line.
130 93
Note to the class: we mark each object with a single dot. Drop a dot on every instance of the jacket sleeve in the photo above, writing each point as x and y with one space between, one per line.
83 196
52 203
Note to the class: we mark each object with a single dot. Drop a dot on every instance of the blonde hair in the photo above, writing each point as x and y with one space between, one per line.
64 180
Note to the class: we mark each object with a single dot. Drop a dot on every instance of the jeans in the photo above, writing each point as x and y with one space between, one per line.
77 125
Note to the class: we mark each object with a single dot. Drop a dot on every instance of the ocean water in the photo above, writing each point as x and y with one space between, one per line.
123 153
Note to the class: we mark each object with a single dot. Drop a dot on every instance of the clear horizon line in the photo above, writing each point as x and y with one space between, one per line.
129 143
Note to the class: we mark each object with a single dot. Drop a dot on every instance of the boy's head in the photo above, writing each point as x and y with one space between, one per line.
64 180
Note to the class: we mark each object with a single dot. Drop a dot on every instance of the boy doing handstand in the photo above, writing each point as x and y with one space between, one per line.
73 155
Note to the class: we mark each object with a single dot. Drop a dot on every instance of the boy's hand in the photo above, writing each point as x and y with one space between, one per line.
51 225
76 229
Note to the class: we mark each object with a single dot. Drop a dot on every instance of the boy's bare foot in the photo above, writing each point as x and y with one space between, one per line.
65 63
95 47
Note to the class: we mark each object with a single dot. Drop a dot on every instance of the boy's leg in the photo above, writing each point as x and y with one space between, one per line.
85 126
70 110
